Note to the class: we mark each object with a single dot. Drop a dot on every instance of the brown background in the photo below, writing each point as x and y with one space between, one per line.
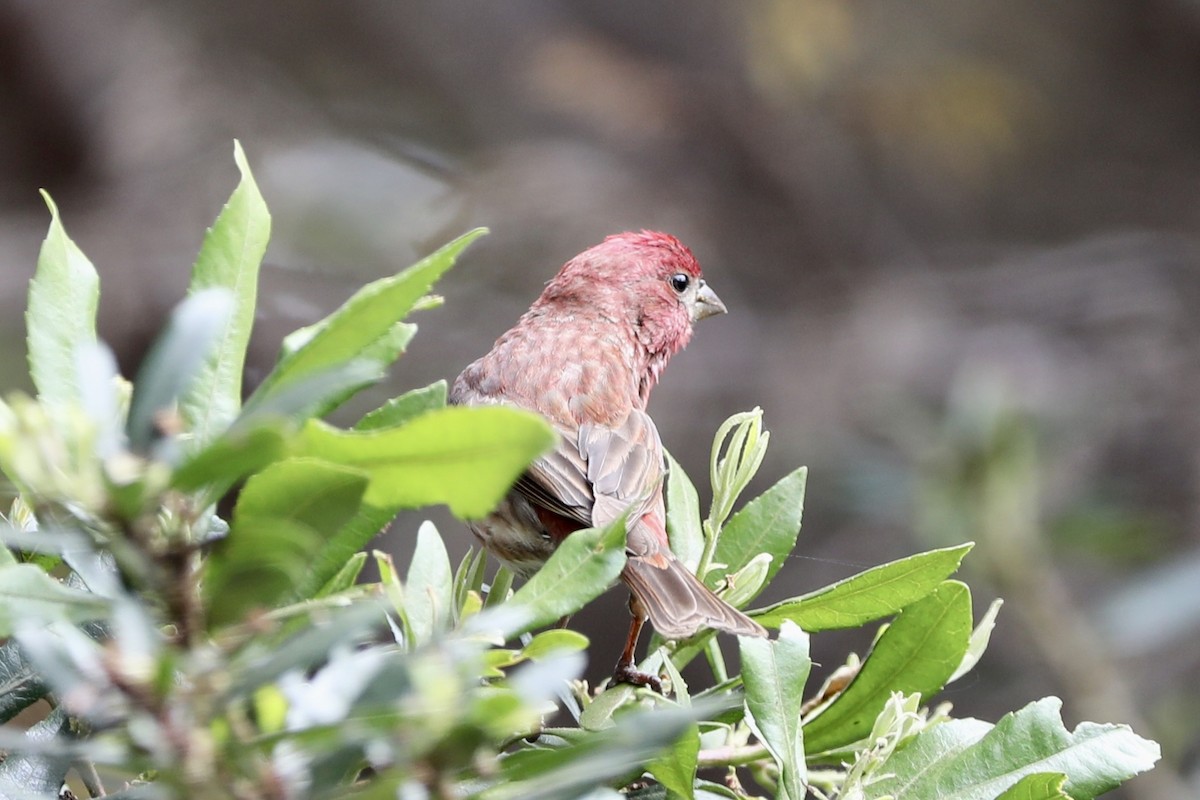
958 241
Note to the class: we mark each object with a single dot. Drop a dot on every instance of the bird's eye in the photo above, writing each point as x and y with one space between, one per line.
680 281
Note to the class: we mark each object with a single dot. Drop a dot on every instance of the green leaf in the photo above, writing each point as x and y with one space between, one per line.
429 586
333 552
675 769
918 652
61 316
363 320
20 685
466 458
175 360
401 409
965 760
38 775
768 524
1038 786
345 577
683 516
320 495
229 259
876 593
581 569
258 565
774 674
28 594
229 458
553 642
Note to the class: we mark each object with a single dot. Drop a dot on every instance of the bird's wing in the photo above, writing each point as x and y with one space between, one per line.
597 474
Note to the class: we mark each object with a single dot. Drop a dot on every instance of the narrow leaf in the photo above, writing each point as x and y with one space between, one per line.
917 653
175 360
581 569
774 674
553 642
683 516
61 316
876 593
429 585
401 409
363 320
768 524
466 458
321 495
229 259
979 641
333 552
345 577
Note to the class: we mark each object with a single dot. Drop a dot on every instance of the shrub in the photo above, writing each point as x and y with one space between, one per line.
183 655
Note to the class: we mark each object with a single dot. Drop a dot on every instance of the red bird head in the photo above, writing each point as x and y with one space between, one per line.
648 281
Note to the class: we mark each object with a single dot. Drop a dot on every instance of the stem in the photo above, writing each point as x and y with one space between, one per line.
733 756
716 660
91 779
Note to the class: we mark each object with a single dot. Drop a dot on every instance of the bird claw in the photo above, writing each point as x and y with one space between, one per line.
627 673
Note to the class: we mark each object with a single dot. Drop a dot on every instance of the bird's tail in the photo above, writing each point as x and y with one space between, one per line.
677 603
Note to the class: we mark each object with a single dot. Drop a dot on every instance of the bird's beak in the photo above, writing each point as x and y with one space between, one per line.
707 303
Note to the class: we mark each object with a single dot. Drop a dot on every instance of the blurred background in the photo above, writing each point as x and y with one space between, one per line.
958 241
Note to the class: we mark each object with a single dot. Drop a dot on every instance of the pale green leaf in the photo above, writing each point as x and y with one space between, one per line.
1038 786
675 769
229 259
683 516
401 409
554 642
429 586
27 594
964 760
61 315
979 641
774 674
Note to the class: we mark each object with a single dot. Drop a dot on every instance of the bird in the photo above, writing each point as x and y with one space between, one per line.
586 356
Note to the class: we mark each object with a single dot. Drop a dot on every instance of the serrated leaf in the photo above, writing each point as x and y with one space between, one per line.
61 315
229 259
28 594
40 775
768 524
1038 786
581 569
774 674
367 317
401 409
675 769
175 360
429 586
20 685
683 516
917 653
466 458
876 593
940 762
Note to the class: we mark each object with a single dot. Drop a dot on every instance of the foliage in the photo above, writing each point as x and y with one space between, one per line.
184 655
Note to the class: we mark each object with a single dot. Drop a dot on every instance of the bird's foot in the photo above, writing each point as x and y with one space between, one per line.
627 673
